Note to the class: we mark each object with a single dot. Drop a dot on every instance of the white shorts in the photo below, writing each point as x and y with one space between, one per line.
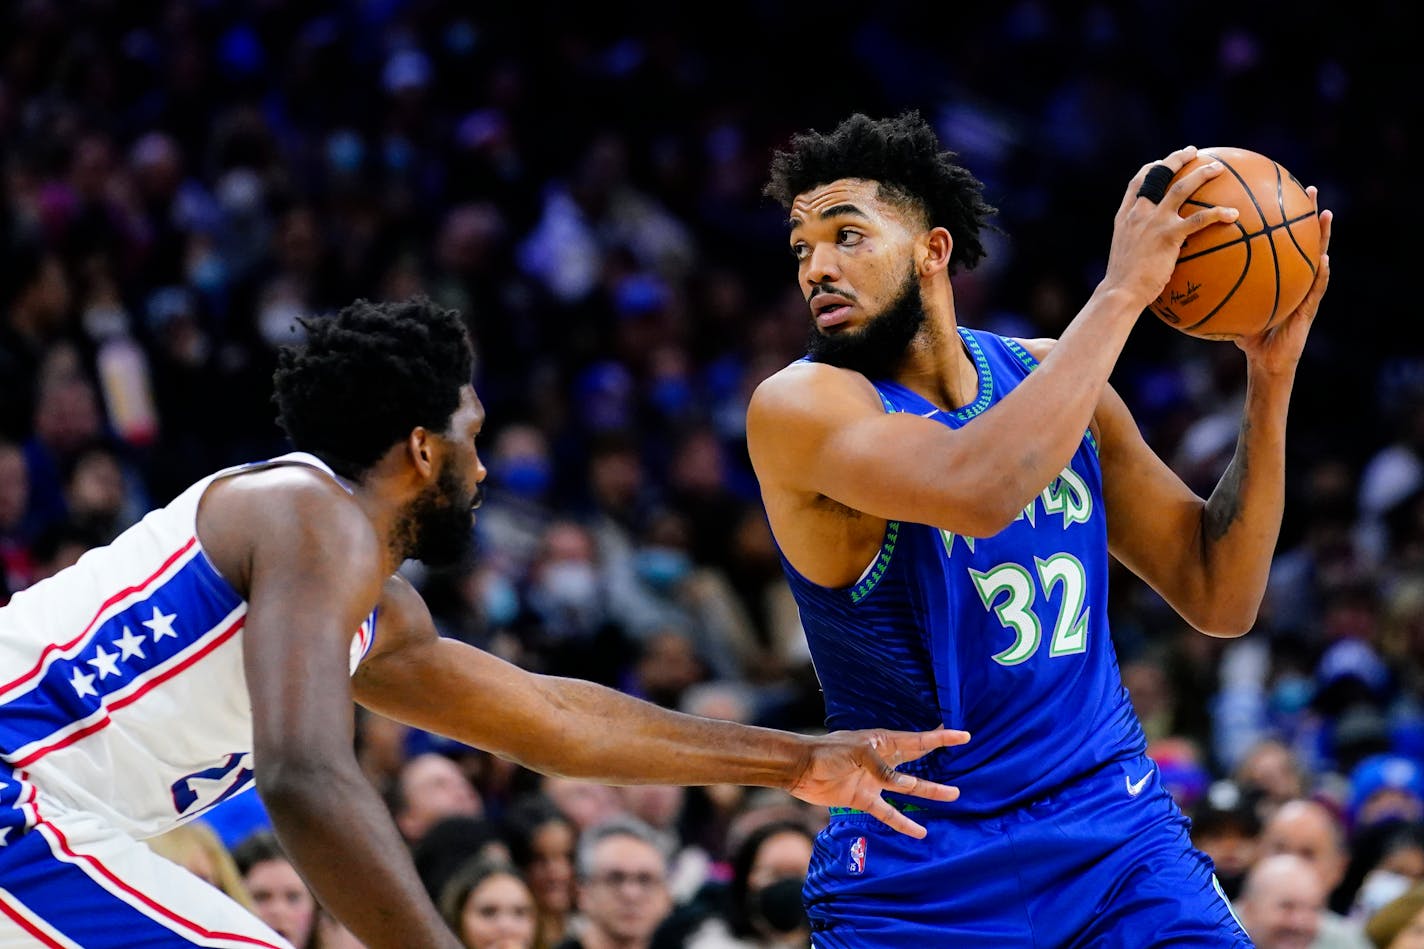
70 880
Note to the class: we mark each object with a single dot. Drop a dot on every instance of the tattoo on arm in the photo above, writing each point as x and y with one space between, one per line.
1224 507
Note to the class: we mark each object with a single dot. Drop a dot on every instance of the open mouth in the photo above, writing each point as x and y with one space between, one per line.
830 309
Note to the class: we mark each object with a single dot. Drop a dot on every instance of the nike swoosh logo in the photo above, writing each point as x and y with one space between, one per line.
1135 788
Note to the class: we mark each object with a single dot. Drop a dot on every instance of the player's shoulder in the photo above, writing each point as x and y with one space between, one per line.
806 387
288 507
1038 348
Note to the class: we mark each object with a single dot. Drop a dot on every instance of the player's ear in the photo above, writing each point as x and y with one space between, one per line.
932 251
421 450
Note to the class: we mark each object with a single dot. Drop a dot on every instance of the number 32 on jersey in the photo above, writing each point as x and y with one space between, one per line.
1010 591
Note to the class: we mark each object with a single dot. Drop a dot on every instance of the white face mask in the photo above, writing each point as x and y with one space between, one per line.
1378 888
570 583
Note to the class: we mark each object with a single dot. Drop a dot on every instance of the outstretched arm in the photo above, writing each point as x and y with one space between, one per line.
1210 559
578 729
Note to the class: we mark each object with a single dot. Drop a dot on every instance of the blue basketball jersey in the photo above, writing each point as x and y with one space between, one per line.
1005 636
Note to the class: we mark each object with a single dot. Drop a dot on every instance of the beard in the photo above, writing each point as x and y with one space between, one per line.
876 349
439 528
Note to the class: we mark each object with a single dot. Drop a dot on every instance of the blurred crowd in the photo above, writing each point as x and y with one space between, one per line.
184 179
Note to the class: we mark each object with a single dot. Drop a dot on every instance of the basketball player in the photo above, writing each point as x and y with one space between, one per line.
220 641
945 501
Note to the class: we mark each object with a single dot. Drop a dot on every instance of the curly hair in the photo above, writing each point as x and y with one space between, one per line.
904 157
369 374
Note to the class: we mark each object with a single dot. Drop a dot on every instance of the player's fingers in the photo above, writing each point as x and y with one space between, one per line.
1207 216
1186 185
1175 161
919 787
892 818
1327 222
907 746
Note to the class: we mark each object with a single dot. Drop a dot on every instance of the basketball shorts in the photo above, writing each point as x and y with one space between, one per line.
1106 862
69 880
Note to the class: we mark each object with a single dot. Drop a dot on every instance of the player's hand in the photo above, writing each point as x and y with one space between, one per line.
852 768
1279 348
1148 237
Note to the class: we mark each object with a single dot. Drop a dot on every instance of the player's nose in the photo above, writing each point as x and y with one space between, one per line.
822 266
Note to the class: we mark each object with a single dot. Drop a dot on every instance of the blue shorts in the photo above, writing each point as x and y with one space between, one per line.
1094 864
68 880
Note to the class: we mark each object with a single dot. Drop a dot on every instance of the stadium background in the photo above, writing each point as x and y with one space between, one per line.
183 179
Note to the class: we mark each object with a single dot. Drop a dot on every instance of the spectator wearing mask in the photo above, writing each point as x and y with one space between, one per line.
1399 924
763 905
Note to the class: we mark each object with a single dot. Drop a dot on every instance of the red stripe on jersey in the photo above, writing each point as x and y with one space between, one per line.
132 697
53 647
114 880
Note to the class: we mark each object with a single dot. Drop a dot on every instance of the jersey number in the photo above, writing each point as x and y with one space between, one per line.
1010 592
213 785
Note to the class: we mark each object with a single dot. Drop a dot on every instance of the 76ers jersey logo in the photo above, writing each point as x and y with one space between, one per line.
857 856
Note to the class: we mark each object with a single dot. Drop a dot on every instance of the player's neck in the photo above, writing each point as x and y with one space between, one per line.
937 365
385 516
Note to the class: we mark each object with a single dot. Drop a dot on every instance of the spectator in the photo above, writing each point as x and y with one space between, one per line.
1225 828
1306 829
489 906
428 788
542 842
623 887
763 901
449 844
196 848
1281 902
279 896
1399 924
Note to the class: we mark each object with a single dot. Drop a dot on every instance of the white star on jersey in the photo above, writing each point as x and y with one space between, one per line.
83 683
161 624
4 832
130 645
106 663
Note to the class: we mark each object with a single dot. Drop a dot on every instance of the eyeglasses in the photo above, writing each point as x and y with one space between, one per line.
617 879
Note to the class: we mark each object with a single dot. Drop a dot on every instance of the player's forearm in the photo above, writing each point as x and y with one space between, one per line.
598 734
341 838
1037 427
1241 521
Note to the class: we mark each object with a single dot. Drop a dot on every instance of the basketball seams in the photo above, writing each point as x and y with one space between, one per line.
1245 183
1245 237
1275 254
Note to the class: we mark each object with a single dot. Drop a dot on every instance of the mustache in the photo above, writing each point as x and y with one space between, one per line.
824 288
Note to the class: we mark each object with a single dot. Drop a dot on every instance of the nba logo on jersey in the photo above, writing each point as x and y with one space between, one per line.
857 856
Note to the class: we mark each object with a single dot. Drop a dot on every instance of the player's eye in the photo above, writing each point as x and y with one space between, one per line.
800 250
849 237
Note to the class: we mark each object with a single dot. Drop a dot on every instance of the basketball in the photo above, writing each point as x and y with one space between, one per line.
1244 277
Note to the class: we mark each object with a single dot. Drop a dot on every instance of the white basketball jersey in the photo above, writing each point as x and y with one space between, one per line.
122 690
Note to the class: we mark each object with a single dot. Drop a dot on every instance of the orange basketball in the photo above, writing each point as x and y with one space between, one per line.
1242 278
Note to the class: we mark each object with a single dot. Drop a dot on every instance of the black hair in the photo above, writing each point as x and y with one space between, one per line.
369 374
524 818
904 157
258 847
739 916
